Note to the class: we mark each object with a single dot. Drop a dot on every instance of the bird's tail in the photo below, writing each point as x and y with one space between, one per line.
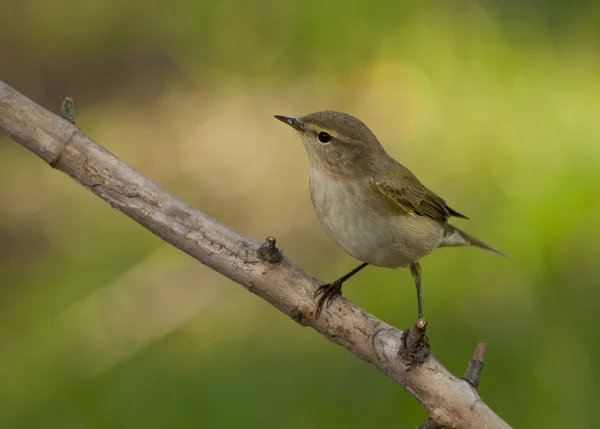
455 237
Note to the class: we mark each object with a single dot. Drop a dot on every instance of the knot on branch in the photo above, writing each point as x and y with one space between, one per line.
269 252
415 347
298 316
67 110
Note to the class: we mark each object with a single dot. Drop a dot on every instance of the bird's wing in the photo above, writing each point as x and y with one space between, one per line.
416 199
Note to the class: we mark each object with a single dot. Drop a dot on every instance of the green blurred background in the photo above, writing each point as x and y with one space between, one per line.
494 105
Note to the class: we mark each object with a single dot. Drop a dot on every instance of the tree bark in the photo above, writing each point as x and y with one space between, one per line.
450 401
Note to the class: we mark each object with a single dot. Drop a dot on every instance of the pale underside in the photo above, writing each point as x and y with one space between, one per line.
368 227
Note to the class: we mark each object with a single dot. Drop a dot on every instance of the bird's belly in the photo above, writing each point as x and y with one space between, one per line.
365 229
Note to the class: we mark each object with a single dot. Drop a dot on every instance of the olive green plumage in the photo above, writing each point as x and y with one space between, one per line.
371 205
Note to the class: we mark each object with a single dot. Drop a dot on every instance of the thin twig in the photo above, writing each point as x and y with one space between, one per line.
475 365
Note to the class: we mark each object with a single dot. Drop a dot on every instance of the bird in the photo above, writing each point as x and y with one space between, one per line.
372 206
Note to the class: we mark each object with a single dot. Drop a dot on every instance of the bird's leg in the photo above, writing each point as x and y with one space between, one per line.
415 270
415 345
331 290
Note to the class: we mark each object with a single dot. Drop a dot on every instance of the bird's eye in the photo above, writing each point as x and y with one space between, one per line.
324 137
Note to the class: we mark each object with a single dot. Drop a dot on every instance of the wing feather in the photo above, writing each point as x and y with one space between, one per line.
416 199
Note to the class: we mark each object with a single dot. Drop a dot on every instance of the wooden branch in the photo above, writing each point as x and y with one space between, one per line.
471 376
450 401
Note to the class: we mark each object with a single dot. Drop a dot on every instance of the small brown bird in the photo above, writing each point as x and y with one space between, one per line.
371 205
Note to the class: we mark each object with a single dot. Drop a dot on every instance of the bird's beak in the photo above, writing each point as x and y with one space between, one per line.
292 122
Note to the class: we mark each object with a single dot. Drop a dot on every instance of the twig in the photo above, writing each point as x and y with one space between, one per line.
449 400
475 366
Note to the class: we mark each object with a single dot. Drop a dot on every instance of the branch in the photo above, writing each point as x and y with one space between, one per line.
471 376
450 401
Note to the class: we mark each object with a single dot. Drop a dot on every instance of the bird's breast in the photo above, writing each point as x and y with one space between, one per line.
364 224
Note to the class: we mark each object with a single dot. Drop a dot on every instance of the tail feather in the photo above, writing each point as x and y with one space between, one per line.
455 237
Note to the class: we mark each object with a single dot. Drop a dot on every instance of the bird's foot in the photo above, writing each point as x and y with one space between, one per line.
415 345
328 293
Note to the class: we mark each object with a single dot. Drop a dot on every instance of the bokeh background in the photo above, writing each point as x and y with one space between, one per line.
493 104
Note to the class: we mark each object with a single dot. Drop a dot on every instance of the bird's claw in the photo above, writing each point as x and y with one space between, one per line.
328 293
